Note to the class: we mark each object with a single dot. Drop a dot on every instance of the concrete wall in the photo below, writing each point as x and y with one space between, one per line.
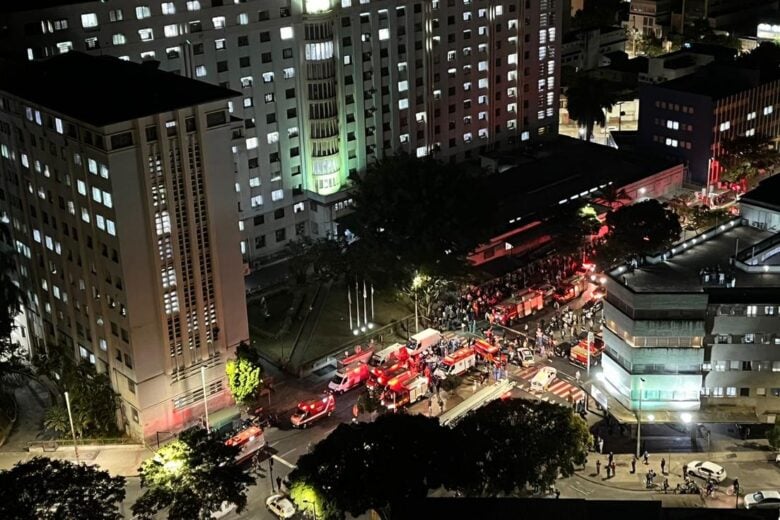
760 217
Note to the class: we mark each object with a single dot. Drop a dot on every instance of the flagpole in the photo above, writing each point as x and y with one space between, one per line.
372 302
349 305
357 301
365 308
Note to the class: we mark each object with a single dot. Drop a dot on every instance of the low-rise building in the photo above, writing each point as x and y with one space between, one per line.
587 49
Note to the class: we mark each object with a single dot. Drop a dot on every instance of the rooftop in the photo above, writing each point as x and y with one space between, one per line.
101 90
715 81
765 195
684 272
534 178
9 6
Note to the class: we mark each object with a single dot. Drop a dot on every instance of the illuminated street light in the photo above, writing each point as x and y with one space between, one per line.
686 417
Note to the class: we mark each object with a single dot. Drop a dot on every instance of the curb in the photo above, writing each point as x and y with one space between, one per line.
602 483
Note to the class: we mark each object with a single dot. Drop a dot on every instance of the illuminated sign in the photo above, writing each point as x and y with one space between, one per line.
317 6
769 31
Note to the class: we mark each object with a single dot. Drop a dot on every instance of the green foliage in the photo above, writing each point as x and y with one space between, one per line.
638 230
587 99
369 402
530 445
571 225
702 217
312 503
366 466
93 402
56 489
773 436
745 158
418 214
192 477
13 366
244 374
505 447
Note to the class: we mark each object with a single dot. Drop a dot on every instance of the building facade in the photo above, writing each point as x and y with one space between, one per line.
689 118
329 86
649 18
583 50
697 330
120 195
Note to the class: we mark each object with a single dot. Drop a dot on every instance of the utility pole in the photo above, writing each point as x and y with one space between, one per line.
639 418
72 429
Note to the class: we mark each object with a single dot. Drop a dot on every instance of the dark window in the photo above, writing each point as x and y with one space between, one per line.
243 61
281 235
259 241
289 93
259 220
222 66
287 53
265 36
279 213
243 41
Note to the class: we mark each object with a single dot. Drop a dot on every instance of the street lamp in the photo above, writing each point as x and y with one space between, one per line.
639 417
205 397
312 503
417 282
72 429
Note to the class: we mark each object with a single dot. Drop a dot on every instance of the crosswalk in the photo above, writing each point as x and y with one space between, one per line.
559 391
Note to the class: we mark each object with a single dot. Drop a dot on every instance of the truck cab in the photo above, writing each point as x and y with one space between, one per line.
349 377
382 374
423 341
456 363
408 393
250 440
312 410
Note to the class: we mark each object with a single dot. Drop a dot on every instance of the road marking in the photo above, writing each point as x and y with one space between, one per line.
279 459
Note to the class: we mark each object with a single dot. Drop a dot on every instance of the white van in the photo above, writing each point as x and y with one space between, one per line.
543 378
385 354
423 341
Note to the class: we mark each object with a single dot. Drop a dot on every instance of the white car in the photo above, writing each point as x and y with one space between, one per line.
526 357
224 509
765 499
706 470
281 506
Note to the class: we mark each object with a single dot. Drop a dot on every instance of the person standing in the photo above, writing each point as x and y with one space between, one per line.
663 466
666 485
577 376
611 457
601 446
613 466
598 467
685 471
633 464
647 457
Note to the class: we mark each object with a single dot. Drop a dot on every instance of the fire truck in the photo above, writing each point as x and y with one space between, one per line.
579 355
382 374
250 440
570 289
312 410
488 352
456 363
527 302
409 392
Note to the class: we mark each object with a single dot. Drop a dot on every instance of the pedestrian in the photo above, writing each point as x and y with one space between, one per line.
608 467
577 376
557 493
633 464
598 467
663 466
601 446
279 483
666 485
613 468
647 457
611 457
430 406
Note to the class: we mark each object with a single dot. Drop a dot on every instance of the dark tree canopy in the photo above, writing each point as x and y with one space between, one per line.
744 158
571 225
512 445
366 466
419 214
192 477
587 98
54 489
638 230
13 366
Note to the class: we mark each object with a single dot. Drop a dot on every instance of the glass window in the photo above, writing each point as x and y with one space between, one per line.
89 20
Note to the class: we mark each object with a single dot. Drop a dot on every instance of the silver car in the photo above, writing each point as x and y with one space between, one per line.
765 499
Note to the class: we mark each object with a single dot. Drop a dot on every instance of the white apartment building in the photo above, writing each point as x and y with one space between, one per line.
328 86
117 181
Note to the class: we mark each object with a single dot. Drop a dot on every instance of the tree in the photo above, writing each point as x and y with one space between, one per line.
13 364
773 436
369 402
244 374
613 196
571 225
638 230
587 99
510 446
703 217
56 489
419 214
745 158
405 456
192 477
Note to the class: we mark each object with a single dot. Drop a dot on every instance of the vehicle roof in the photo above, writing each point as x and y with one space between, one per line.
459 354
768 493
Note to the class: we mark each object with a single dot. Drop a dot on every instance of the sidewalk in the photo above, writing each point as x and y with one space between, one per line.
119 460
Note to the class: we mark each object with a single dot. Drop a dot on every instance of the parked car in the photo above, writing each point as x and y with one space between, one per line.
563 349
223 510
526 357
280 506
765 499
706 470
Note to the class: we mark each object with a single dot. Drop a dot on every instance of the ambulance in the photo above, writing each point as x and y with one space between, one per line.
396 351
408 392
543 378
250 440
456 363
312 410
423 341
488 352
349 377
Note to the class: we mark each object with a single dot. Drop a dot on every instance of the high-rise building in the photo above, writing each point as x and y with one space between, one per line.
328 86
117 182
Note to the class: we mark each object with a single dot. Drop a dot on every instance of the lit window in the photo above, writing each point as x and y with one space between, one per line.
254 182
403 104
256 201
193 5
673 125
467 137
499 10
286 33
110 227
104 171
725 126
64 47
97 194
288 73
243 19
273 137
277 195
85 215
251 143
200 71
142 12
168 8
118 39
750 133
220 44
384 34
403 86
108 200
219 22
100 222
89 20
146 34
768 110
171 31
751 116
482 65
422 151
58 125
268 77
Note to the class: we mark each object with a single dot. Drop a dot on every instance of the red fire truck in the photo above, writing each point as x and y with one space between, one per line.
312 410
250 440
382 374
408 392
579 355
488 352
456 363
525 303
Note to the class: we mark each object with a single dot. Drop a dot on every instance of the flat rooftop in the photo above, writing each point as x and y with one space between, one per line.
715 81
765 195
682 272
102 90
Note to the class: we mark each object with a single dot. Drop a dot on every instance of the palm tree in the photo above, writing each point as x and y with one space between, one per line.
614 197
588 98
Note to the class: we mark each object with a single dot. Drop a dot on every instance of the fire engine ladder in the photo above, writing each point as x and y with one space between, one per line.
481 398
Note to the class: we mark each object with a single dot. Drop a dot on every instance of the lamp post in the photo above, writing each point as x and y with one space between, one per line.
313 504
205 397
639 418
72 429
417 282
